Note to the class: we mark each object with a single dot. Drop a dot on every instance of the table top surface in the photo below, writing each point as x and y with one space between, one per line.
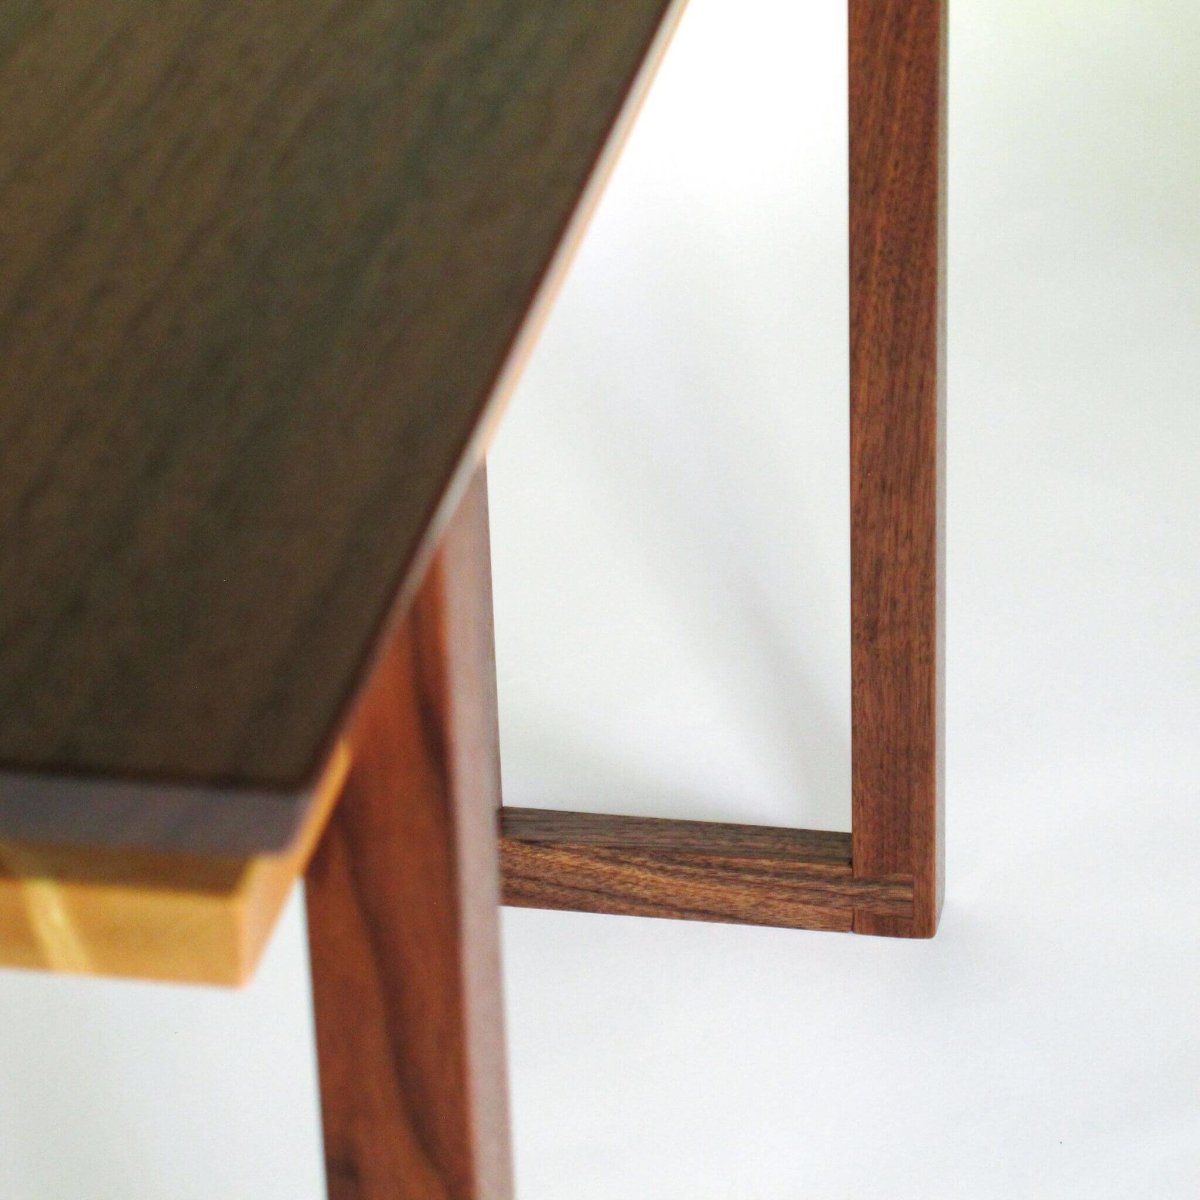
262 268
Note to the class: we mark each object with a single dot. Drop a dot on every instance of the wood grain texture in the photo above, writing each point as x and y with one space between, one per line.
897 447
262 269
403 898
692 870
143 914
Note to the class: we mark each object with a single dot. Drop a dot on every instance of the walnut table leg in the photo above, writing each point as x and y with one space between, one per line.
897 445
403 898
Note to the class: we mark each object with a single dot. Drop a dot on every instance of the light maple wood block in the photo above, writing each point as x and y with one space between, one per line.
147 914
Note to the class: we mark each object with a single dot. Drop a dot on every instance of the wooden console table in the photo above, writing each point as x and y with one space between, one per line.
267 273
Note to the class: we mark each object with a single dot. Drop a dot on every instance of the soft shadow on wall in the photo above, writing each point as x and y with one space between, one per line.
670 506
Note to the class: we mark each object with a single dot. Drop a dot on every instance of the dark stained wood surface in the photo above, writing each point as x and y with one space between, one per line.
693 870
897 447
403 915
261 269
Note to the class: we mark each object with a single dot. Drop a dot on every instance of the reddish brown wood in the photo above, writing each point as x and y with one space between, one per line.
403 896
694 870
897 441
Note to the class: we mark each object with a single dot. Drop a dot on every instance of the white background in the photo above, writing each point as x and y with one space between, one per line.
670 520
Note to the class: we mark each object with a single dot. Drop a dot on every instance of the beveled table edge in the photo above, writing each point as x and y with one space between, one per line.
88 810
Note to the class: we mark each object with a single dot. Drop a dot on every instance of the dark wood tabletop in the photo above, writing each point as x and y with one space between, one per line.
262 267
